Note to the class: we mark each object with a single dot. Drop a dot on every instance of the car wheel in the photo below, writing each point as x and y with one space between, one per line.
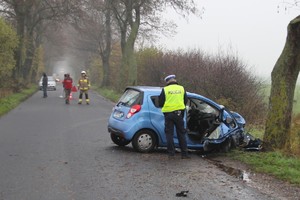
144 141
119 140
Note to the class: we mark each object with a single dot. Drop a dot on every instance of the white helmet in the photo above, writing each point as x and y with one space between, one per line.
83 72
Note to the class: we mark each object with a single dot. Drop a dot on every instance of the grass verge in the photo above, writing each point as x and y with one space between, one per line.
109 94
10 102
274 163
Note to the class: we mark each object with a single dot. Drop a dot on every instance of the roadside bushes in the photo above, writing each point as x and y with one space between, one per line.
222 77
8 41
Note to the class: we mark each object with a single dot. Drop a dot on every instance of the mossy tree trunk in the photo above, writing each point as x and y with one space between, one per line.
284 78
128 19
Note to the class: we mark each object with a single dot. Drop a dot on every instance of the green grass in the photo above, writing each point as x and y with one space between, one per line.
10 102
274 163
109 94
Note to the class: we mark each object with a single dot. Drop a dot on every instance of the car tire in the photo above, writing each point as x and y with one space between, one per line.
119 140
144 141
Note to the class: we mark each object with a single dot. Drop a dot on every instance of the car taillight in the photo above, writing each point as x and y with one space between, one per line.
134 109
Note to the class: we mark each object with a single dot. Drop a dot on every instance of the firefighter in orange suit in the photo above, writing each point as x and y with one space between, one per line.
83 87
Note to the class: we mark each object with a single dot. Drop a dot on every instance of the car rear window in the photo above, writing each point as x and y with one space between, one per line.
131 97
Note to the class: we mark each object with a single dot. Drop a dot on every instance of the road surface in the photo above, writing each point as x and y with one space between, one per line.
53 151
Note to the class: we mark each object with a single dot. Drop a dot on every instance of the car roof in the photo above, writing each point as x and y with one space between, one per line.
150 89
156 90
50 78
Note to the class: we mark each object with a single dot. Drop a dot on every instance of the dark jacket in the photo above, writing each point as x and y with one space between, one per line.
45 80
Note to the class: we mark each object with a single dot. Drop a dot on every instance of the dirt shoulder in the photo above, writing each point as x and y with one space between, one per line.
263 182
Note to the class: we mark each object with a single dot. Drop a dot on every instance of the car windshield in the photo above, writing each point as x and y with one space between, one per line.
50 78
129 97
201 106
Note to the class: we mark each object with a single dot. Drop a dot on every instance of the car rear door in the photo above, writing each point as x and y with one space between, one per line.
157 118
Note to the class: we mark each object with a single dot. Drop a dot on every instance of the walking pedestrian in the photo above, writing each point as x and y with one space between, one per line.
45 85
173 99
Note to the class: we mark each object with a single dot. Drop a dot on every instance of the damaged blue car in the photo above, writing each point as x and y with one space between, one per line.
137 118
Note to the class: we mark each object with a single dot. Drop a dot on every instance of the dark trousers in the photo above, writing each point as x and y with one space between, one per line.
45 91
85 92
67 95
173 119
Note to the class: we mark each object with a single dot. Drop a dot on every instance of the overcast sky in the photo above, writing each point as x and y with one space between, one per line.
255 29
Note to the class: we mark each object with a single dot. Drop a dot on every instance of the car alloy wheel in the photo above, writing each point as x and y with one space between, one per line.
144 141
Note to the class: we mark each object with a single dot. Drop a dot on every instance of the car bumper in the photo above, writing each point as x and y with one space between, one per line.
48 88
115 131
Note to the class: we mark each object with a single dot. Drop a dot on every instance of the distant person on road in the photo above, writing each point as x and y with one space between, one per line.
67 83
83 87
64 92
45 85
173 99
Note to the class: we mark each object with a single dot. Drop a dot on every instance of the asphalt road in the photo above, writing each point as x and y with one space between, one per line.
53 151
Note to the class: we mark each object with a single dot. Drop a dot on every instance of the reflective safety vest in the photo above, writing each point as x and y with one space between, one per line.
84 84
174 98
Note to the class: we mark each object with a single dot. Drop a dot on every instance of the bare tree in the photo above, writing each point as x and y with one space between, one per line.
134 15
97 33
30 17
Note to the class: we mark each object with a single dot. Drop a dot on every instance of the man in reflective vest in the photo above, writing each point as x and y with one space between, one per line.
83 87
173 99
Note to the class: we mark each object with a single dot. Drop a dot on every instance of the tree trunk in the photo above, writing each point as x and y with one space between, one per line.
105 55
106 72
284 77
27 67
19 54
128 65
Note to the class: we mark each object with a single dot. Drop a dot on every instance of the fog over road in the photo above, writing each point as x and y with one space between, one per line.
53 151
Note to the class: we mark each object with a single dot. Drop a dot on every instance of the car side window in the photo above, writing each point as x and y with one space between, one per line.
201 106
155 101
